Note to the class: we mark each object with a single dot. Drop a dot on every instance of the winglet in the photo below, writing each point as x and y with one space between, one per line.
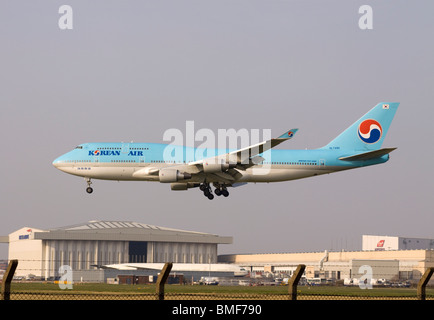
288 134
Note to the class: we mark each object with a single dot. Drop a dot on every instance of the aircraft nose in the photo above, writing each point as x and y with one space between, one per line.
57 162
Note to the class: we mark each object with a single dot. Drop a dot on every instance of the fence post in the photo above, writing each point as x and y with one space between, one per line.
7 279
293 282
421 286
161 280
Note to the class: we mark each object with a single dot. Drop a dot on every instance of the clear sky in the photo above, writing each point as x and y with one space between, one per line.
130 70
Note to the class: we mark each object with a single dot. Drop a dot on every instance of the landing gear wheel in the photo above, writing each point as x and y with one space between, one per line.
206 190
217 192
225 193
89 182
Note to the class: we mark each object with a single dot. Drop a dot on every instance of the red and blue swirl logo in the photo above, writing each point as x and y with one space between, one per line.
370 131
97 152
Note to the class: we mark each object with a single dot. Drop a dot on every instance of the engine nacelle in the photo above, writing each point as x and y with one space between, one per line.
178 186
172 175
217 167
183 185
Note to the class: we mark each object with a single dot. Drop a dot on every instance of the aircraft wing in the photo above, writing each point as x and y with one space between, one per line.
224 168
242 158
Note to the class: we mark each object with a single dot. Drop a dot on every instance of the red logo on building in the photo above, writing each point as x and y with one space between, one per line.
380 244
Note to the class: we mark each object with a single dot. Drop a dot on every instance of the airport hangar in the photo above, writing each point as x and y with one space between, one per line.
84 246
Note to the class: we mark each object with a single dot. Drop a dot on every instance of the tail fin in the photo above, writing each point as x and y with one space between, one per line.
369 131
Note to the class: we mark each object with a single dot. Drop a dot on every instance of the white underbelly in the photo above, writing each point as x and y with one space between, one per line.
254 174
279 174
107 172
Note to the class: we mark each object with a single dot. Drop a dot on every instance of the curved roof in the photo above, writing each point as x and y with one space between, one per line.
127 231
120 225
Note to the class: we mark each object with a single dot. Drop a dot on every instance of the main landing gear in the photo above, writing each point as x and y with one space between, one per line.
219 190
89 182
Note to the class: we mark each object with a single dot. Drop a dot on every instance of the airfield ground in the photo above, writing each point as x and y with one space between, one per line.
30 291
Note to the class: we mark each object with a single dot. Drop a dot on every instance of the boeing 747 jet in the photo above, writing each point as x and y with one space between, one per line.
187 167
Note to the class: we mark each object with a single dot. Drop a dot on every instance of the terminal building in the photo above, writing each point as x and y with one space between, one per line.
388 258
95 243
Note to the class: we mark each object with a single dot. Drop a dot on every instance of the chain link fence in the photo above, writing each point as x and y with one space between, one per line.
200 297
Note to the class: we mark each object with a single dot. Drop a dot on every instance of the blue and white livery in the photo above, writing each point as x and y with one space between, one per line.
358 146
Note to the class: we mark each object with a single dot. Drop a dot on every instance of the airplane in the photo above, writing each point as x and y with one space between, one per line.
358 146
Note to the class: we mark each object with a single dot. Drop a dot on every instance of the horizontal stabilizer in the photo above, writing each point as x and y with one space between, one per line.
368 155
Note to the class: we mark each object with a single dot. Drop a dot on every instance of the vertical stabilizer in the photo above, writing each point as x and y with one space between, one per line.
367 133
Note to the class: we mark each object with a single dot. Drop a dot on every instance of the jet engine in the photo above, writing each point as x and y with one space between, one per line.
217 167
183 185
172 175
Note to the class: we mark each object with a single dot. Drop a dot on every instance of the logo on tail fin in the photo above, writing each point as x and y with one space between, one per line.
370 131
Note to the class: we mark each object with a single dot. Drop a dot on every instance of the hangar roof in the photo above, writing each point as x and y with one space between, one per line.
127 231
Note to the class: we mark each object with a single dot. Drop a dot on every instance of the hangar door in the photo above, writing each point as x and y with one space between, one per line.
137 251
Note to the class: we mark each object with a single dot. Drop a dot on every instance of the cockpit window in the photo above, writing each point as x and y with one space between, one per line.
79 147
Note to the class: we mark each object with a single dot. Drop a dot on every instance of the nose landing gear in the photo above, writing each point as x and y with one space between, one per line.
89 182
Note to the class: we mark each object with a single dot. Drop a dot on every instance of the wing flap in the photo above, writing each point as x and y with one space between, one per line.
225 176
